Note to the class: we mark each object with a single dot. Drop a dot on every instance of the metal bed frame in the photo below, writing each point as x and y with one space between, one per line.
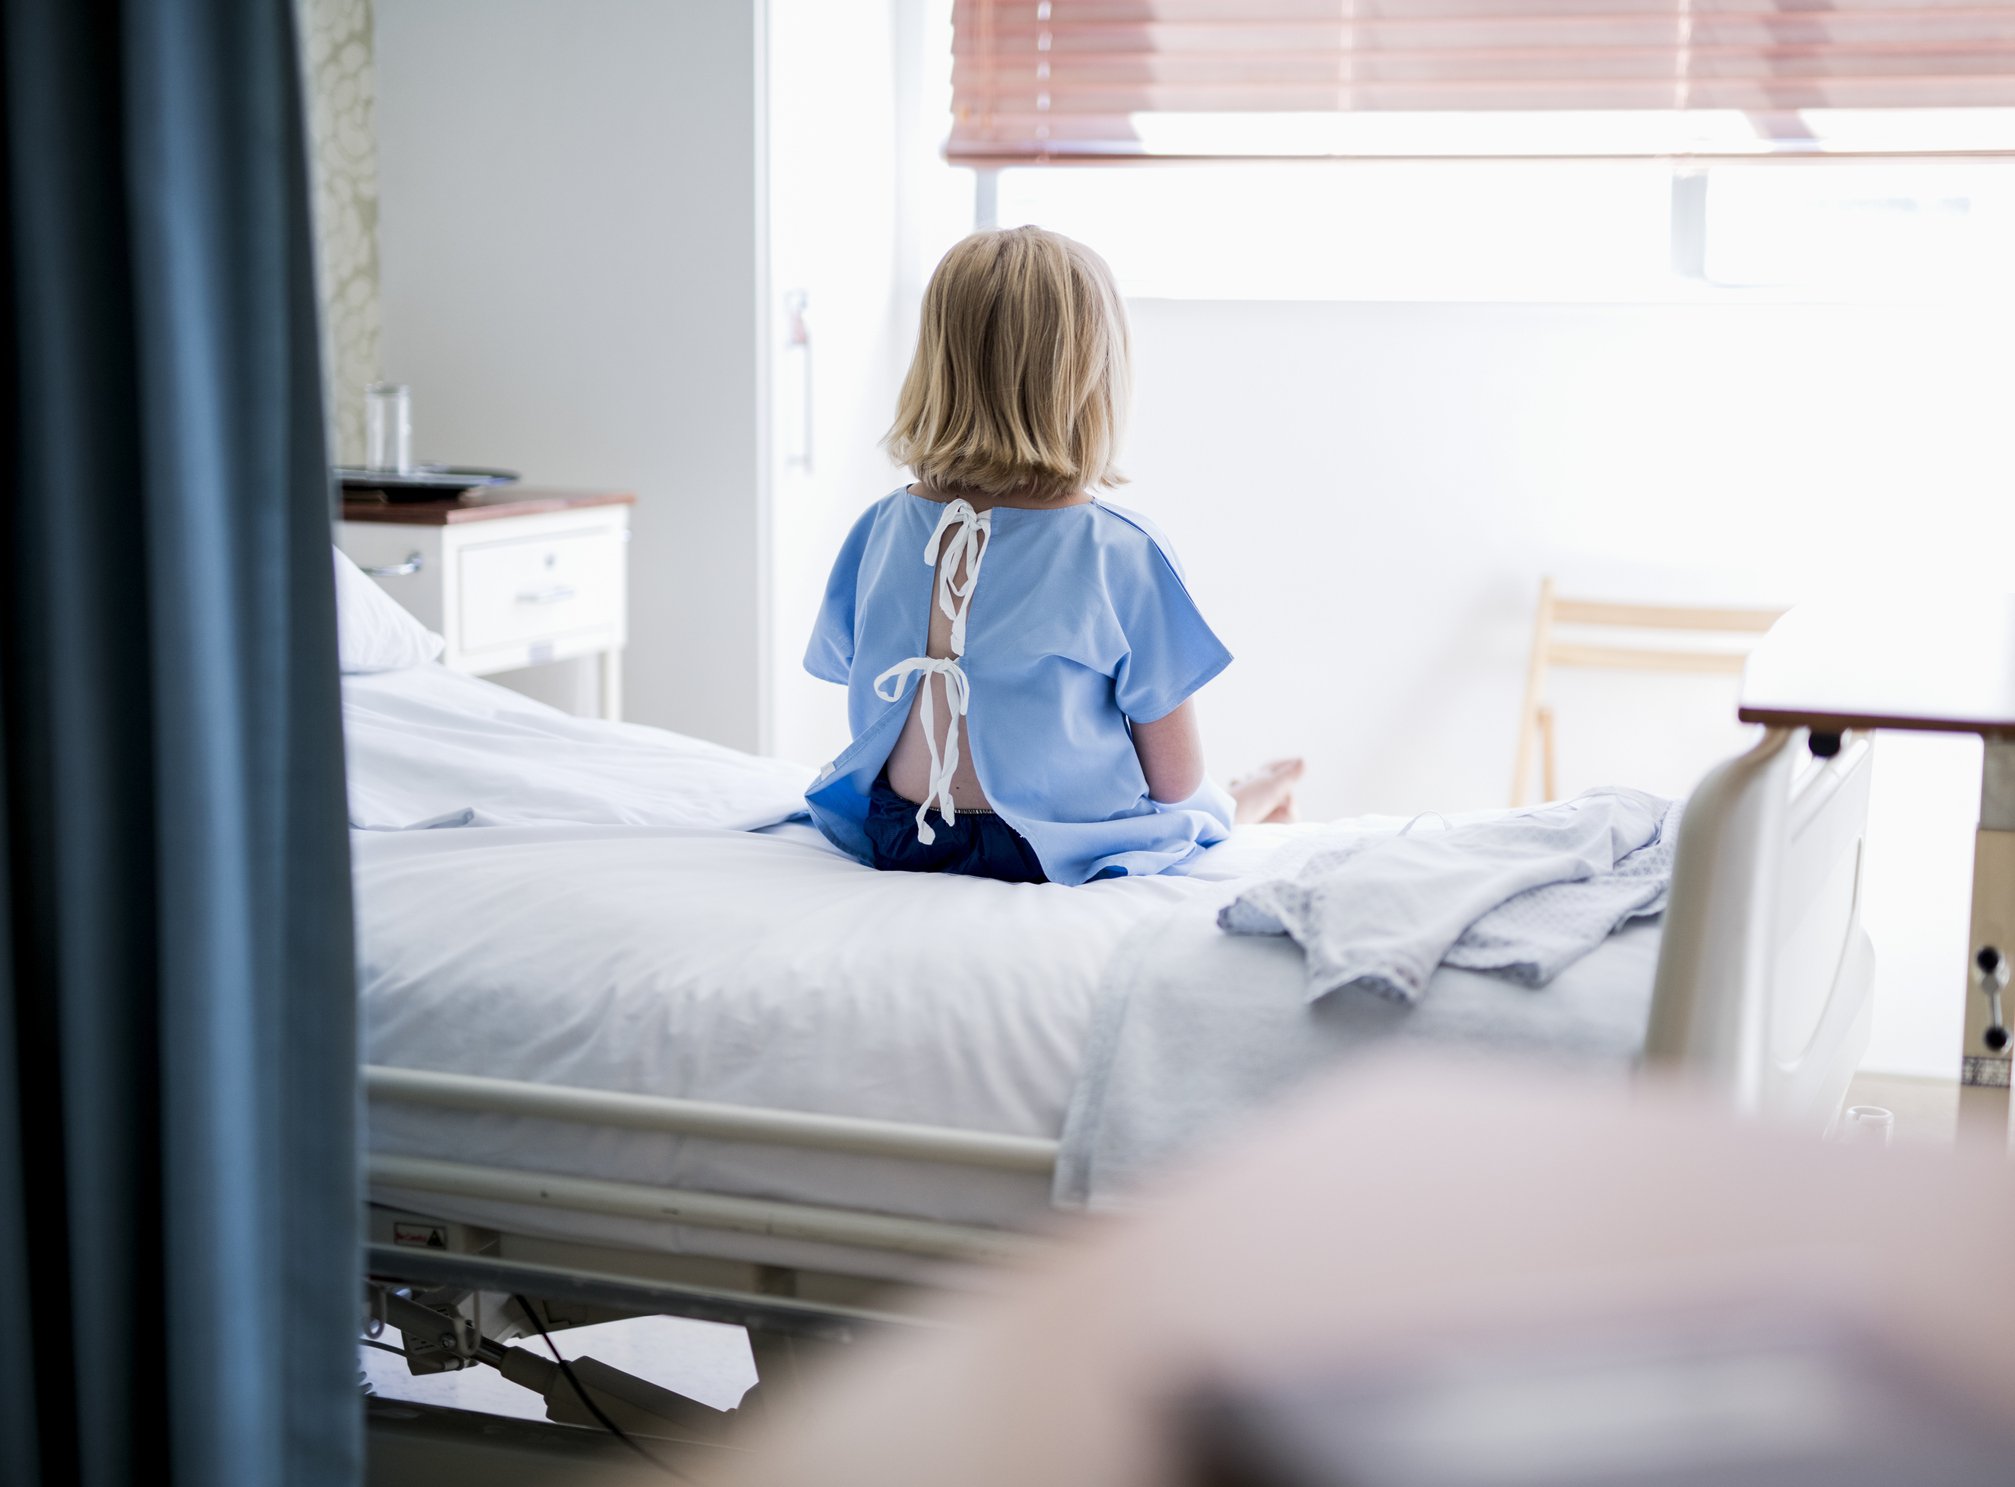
803 1131
1762 996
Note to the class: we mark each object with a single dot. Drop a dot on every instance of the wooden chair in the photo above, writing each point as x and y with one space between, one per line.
1535 718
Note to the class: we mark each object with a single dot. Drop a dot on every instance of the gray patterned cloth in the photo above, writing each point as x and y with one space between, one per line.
1524 894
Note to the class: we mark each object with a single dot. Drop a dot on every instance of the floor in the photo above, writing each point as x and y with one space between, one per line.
408 1444
1926 1110
707 1361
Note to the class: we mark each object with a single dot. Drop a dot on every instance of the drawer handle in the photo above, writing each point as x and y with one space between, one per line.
413 564
553 595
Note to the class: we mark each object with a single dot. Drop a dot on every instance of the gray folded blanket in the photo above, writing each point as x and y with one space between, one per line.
1525 895
1195 1031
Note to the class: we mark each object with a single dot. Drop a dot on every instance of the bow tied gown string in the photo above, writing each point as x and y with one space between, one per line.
969 531
942 767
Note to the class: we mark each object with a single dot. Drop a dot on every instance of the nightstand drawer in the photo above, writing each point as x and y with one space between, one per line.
533 588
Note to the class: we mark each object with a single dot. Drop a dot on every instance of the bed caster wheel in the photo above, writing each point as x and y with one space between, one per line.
1993 976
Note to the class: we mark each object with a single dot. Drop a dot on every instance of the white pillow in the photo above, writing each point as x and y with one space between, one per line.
372 632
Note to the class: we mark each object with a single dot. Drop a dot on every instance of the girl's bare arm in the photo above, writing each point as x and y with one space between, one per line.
1171 754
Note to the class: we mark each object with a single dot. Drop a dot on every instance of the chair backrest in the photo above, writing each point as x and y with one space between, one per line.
1765 975
1535 720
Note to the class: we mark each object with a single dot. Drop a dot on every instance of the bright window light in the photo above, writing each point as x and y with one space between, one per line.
1598 231
1636 132
1927 223
1580 132
1581 230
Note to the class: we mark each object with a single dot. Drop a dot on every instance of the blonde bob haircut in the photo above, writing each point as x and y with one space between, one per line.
1023 370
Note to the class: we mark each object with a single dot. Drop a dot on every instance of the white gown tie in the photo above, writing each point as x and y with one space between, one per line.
969 530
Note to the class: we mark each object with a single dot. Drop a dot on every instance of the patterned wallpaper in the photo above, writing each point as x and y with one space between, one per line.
336 36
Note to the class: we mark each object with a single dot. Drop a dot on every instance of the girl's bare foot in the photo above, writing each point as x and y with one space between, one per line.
1267 794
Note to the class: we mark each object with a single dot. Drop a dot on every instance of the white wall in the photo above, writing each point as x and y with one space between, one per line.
572 245
1368 494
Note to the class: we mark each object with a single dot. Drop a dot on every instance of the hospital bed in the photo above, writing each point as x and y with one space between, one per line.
634 1042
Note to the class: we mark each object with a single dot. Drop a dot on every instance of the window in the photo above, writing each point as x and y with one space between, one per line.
1588 149
1922 227
1389 230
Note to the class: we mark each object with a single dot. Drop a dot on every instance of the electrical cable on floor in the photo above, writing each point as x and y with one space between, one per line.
582 1394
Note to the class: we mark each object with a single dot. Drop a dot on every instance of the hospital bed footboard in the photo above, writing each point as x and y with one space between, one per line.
1765 987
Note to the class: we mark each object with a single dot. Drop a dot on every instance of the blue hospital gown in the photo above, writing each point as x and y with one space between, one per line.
1079 621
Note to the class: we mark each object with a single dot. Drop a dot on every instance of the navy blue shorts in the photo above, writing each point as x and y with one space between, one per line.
980 845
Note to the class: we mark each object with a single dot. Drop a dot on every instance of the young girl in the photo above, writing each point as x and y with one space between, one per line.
1037 726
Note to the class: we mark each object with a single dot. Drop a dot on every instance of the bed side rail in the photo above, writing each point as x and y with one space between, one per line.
853 1228
793 1128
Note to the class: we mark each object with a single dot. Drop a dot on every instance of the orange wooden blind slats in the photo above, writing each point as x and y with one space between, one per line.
1032 79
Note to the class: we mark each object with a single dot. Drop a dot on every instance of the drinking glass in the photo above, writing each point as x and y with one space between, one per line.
388 428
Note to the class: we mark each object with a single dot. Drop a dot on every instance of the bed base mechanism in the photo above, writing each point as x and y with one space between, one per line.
440 1336
597 1295
842 1226
793 1128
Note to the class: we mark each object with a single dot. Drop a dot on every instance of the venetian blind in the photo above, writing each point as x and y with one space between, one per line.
1038 79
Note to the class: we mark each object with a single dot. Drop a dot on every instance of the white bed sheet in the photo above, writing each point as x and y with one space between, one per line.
752 968
743 967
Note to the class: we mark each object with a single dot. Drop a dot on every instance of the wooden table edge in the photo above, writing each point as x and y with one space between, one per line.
454 513
1820 720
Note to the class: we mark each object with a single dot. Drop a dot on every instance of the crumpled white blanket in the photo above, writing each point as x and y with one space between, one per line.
429 747
1525 894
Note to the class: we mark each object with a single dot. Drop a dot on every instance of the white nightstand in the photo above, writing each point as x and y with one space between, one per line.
511 577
